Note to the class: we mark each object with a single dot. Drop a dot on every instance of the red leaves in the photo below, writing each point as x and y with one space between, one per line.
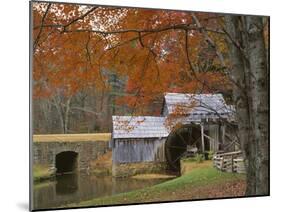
153 63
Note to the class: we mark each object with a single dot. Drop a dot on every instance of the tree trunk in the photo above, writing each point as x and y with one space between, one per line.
63 112
66 115
249 71
259 81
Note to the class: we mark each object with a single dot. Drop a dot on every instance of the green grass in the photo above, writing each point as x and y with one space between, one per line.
40 185
41 172
197 178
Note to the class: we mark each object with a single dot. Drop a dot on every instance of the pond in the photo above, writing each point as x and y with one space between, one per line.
74 188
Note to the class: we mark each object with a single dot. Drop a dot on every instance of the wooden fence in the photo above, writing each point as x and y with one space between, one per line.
230 162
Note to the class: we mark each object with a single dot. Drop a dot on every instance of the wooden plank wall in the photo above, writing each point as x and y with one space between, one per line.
214 133
138 150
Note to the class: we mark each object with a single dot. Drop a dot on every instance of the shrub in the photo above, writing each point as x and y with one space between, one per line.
189 159
210 155
199 158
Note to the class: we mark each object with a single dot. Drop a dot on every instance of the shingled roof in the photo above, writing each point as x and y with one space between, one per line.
193 108
196 104
139 127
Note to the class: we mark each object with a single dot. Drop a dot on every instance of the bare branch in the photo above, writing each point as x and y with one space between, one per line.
192 68
209 40
218 53
85 110
104 32
140 39
87 49
41 27
80 17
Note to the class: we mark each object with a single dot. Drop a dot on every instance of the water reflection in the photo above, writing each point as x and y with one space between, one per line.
73 188
67 184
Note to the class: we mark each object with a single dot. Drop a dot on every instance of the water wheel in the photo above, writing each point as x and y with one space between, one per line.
182 142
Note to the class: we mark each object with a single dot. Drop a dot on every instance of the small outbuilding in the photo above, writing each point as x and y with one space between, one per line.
189 124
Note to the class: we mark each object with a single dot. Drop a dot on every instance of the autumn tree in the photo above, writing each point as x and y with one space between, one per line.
63 66
157 51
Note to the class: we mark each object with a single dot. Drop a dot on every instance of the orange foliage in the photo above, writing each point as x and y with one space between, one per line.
153 63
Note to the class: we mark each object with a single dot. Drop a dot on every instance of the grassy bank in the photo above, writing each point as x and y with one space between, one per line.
41 172
203 181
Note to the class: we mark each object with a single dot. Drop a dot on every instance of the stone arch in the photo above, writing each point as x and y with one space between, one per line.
66 161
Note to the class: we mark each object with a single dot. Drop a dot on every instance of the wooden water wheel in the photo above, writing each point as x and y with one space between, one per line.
182 142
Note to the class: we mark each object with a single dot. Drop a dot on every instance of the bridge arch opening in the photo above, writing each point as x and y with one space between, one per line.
66 162
182 142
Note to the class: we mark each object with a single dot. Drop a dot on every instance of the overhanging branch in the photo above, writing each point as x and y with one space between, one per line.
41 27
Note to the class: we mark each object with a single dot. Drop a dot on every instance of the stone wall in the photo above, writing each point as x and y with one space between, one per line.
130 169
44 153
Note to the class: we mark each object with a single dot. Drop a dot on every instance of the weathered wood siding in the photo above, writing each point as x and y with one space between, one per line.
165 110
230 162
138 150
214 133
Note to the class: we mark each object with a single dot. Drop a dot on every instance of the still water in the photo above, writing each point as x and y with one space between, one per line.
74 188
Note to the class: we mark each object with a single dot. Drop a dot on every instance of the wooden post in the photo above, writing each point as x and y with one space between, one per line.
223 134
202 138
232 164
222 163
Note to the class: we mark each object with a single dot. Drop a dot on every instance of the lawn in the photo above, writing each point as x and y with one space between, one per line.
203 181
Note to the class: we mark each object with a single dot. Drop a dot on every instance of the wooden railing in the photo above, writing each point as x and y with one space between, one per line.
230 162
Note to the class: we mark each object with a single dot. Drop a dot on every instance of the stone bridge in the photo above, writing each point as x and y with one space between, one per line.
69 152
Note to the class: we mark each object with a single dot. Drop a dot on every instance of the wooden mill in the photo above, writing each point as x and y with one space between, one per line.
189 124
